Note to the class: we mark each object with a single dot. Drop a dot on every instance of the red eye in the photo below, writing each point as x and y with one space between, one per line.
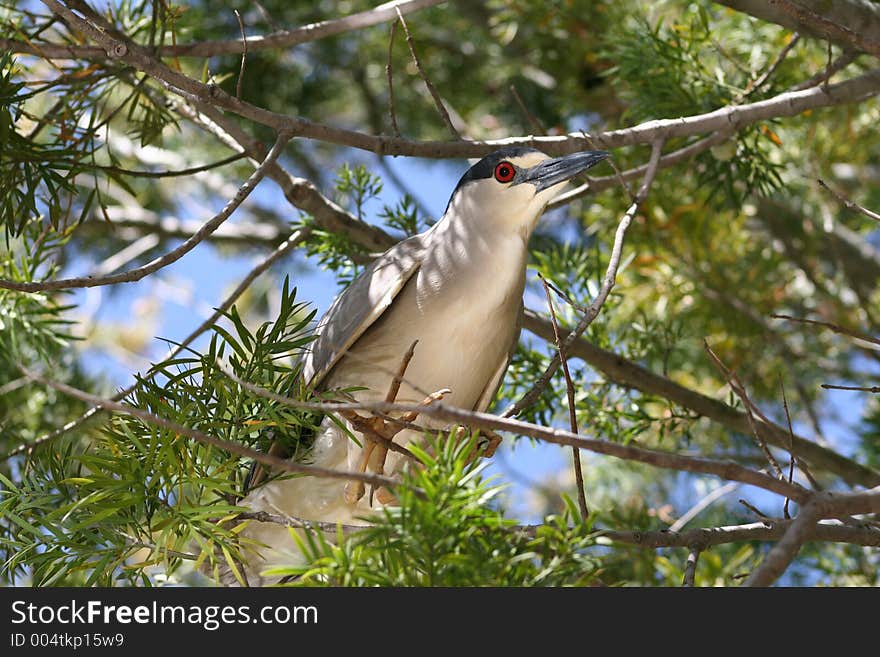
504 172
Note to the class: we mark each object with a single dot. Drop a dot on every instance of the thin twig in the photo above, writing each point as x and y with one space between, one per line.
172 174
690 570
172 256
872 389
834 327
762 80
244 53
572 411
389 74
438 102
737 386
705 502
791 458
530 117
751 507
821 78
849 205
607 284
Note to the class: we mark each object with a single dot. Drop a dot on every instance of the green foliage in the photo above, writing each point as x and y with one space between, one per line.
403 217
358 185
132 502
724 240
446 532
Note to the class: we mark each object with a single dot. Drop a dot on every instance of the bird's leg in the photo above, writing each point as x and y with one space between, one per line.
384 495
368 427
391 396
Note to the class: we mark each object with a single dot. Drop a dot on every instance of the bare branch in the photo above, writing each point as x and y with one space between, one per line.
770 530
730 117
572 411
690 571
172 174
845 59
476 420
767 530
872 389
390 76
244 53
834 327
821 505
438 102
849 205
704 503
530 117
737 386
607 284
849 23
766 75
791 459
172 256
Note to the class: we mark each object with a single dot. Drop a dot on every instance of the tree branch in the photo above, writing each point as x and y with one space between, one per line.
821 505
725 469
848 23
281 39
730 117
703 538
627 373
285 465
138 273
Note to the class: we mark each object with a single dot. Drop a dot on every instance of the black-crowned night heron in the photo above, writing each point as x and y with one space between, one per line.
456 289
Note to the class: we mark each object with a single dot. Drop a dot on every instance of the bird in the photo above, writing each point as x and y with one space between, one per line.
449 300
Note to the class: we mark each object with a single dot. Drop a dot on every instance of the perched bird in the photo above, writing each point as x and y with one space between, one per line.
456 291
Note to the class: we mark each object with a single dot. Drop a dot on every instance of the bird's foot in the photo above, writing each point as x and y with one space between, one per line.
378 433
485 445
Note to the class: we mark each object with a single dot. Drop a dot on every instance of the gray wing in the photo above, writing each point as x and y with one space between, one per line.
361 304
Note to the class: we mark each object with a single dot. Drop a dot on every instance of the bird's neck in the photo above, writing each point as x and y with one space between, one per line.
487 258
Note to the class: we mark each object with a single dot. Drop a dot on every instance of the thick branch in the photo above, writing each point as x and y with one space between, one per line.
730 117
821 505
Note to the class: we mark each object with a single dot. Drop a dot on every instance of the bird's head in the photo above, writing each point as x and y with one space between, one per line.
511 187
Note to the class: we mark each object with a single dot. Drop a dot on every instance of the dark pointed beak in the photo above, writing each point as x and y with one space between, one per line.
557 170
